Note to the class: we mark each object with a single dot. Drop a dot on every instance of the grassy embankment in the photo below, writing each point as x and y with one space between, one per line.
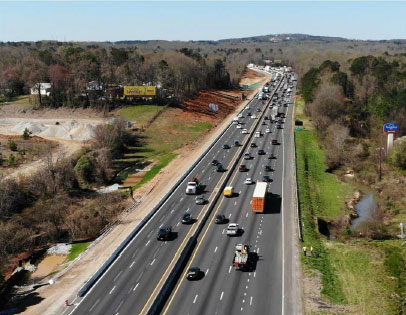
76 250
165 132
361 275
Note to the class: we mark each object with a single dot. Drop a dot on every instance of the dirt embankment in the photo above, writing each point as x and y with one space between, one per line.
150 194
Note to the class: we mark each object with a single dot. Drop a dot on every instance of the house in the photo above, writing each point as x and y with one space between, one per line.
94 86
45 89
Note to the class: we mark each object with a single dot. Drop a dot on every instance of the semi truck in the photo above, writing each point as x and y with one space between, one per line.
241 255
259 197
193 187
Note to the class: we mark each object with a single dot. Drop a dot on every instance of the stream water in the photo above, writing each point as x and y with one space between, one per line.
366 209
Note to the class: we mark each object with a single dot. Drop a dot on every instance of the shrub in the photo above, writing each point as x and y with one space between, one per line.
398 157
84 169
26 134
12 145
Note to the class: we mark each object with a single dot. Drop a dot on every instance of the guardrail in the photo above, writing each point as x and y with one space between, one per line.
174 276
92 281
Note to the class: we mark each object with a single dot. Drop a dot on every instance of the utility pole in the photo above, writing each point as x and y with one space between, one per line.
380 162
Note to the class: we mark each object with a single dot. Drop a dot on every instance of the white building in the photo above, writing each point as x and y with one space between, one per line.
45 89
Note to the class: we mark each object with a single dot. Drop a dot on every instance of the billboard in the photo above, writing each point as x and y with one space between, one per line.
139 90
390 127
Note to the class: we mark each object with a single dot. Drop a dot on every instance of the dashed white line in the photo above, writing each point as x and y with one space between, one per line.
251 300
177 224
229 216
152 262
223 231
235 203
207 271
117 276
111 291
136 286
221 296
98 300
118 307
215 250
257 250
229 269
194 301
147 242
246 215
132 264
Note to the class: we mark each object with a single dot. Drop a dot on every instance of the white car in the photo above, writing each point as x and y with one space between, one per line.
239 126
253 117
268 130
247 107
248 181
245 131
233 229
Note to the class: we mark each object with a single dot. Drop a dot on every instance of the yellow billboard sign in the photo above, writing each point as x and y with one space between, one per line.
139 90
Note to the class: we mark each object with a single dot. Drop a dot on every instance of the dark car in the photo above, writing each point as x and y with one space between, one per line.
279 127
271 156
220 168
220 218
258 110
253 145
266 178
226 146
268 168
274 141
193 273
249 114
164 233
243 168
282 115
263 123
265 117
237 144
215 162
261 152
187 218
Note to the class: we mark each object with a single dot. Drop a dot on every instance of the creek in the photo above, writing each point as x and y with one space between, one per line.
366 209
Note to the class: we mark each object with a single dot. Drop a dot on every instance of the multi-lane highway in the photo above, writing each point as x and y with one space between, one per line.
224 290
134 279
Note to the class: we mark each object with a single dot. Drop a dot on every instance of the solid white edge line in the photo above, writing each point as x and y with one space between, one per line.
283 224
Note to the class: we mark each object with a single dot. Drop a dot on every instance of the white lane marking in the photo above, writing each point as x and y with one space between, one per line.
118 307
235 203
152 262
229 216
147 242
248 280
223 231
132 264
111 291
207 271
161 225
140 276
209 177
239 192
242 309
194 301
243 301
246 215
229 269
136 286
149 234
172 210
215 250
251 300
177 224
98 300
251 201
117 276
221 296
181 199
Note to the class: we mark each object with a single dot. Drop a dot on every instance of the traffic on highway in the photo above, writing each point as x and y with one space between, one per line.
237 263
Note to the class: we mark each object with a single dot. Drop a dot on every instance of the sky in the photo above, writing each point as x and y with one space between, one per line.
194 20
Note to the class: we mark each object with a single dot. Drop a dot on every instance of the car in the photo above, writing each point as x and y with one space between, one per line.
261 152
164 233
247 107
199 200
214 162
233 229
239 126
237 144
263 123
220 168
266 178
220 218
267 168
254 117
279 127
244 131
248 181
249 114
226 146
193 273
271 156
268 130
247 156
253 145
266 118
258 110
187 218
274 141
282 115
240 116
243 168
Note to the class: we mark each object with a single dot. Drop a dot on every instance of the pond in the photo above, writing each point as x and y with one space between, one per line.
366 209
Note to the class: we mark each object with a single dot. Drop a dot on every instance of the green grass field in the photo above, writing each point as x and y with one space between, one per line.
77 249
141 114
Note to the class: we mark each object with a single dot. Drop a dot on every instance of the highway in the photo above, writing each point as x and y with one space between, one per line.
134 279
224 290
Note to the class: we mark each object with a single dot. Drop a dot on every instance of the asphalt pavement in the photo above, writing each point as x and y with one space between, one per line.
133 279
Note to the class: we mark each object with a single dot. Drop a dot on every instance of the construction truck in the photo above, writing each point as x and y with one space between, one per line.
241 256
193 187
